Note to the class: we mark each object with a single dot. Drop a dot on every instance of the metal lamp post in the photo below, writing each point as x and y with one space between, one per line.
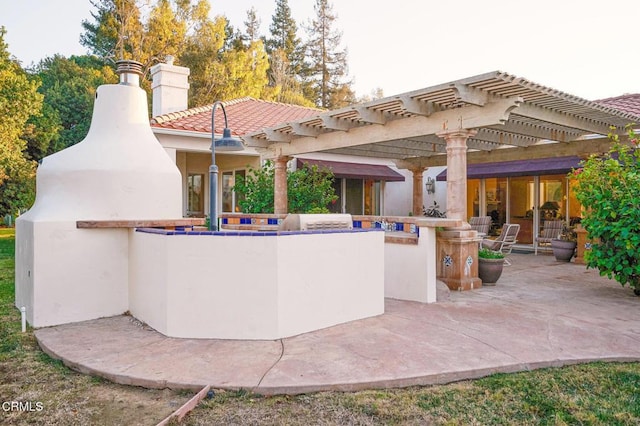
226 143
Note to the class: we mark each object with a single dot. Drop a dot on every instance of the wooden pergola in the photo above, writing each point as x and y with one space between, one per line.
490 117
493 117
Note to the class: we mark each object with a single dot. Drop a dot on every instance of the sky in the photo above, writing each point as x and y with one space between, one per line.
588 49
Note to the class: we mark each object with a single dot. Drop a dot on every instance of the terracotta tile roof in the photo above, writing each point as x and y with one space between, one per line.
244 115
627 103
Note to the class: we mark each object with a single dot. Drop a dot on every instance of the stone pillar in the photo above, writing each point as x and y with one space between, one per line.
583 245
417 166
280 198
417 191
458 247
457 171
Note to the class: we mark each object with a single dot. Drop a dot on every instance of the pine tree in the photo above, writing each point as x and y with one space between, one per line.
327 60
252 25
286 58
284 36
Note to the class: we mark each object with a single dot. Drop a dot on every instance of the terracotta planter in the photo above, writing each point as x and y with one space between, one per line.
563 250
490 270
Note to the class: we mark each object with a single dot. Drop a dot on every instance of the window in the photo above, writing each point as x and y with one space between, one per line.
357 196
231 200
353 196
195 196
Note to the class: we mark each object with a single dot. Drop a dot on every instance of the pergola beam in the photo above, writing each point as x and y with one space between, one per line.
581 124
302 130
255 142
417 107
337 123
399 150
492 113
535 131
369 115
503 138
581 148
276 136
364 153
470 95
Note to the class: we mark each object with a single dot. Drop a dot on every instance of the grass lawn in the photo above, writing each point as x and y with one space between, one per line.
592 394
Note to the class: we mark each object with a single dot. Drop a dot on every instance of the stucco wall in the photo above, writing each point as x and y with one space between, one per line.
410 269
328 279
255 287
119 171
66 274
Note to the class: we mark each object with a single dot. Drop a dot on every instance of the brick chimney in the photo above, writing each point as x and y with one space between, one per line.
170 88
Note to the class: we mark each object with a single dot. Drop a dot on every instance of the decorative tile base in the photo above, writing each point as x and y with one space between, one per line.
457 265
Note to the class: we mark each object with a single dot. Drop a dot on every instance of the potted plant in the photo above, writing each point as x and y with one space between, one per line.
564 247
490 264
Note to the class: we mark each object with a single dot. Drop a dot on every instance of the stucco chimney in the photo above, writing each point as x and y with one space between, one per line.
170 88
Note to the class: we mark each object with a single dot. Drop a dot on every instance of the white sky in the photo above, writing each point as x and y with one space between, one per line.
587 48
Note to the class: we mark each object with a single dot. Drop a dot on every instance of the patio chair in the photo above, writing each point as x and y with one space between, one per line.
550 230
480 224
505 241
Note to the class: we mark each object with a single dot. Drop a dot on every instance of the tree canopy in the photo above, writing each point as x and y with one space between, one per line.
19 101
69 87
224 63
49 107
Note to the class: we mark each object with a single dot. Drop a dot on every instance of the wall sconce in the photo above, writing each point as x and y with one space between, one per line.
431 185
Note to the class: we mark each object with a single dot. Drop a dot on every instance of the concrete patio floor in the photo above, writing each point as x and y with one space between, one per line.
541 313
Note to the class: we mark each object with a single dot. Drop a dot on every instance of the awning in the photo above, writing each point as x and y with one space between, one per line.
538 166
355 170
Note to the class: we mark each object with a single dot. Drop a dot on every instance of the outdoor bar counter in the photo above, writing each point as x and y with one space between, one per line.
254 285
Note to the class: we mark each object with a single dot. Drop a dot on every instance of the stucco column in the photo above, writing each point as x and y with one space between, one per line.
280 198
417 190
457 171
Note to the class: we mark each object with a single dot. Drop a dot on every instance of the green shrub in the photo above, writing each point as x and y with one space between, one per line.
309 190
256 189
608 187
485 253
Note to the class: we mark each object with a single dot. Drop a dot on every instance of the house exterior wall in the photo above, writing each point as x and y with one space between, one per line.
193 156
396 196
